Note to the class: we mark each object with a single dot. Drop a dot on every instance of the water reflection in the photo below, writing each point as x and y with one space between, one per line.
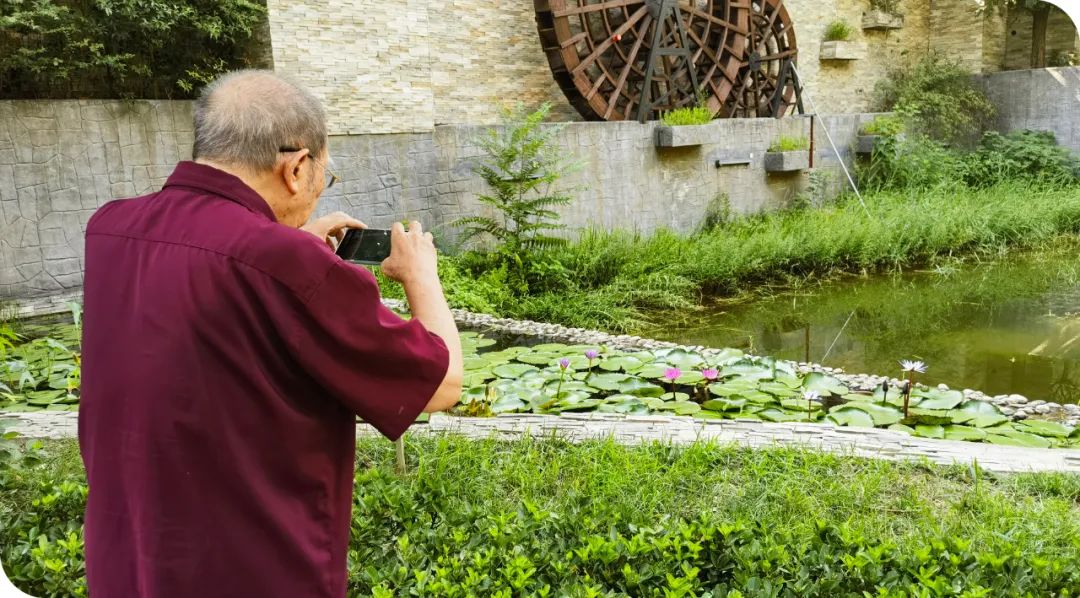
1010 325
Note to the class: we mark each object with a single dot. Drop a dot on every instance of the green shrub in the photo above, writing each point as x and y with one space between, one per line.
695 115
839 31
121 48
889 125
789 144
911 162
1032 156
549 518
891 7
940 96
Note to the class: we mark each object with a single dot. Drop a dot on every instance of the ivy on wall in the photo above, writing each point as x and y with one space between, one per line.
124 48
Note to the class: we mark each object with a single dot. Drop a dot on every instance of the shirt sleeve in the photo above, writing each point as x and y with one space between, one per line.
380 366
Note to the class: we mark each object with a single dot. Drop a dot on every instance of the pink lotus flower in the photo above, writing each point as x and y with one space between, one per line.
592 354
672 374
564 363
710 373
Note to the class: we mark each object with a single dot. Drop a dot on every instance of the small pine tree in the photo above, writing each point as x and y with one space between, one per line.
521 165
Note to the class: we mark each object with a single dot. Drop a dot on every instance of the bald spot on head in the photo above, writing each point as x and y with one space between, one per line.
244 118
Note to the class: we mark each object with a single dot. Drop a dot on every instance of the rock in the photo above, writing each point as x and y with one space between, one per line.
1043 409
1020 415
1008 410
943 387
1037 403
1017 400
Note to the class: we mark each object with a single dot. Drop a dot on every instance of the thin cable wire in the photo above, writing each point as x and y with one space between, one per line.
813 110
842 328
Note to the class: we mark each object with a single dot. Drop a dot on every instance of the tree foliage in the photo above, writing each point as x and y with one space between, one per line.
121 48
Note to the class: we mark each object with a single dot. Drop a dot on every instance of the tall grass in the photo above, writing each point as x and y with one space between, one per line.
618 280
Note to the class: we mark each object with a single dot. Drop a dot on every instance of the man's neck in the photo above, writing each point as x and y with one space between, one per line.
259 183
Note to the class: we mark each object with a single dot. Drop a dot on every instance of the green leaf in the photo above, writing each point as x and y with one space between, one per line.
537 358
930 431
824 384
930 417
625 363
1044 428
686 408
638 387
849 416
678 396
940 399
1018 439
883 415
973 409
724 404
902 428
731 388
779 415
609 382
955 432
512 370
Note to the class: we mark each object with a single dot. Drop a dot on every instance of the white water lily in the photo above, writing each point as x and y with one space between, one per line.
913 366
811 395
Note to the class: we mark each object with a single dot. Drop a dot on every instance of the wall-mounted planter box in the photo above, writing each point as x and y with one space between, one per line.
864 144
880 20
685 135
842 50
792 161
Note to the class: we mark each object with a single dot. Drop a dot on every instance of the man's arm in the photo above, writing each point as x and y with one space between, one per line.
414 264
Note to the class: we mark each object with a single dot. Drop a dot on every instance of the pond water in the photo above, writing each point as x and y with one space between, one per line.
1010 325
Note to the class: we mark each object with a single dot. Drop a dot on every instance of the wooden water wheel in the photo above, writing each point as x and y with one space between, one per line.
767 83
623 59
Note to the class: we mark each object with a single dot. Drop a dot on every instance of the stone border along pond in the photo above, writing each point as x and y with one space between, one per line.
537 385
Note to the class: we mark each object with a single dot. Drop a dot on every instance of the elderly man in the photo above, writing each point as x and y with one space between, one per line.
228 352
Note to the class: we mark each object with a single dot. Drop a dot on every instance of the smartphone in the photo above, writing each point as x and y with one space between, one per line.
365 246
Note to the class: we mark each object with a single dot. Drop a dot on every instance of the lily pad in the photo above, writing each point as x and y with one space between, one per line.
824 384
1044 428
625 363
779 415
800 405
930 417
512 370
883 415
686 408
902 428
507 404
609 382
778 390
930 431
537 358
1015 438
730 388
638 387
849 416
940 399
683 359
747 371
723 404
955 432
678 396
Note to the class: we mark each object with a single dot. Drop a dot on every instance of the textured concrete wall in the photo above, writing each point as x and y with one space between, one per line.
59 161
1039 99
1061 36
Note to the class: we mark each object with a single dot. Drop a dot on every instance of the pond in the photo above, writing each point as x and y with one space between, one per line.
1010 325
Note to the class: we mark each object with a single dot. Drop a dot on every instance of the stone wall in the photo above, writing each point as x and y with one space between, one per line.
60 160
1061 36
410 66
1039 99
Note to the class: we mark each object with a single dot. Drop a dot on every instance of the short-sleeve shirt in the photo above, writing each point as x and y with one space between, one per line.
226 357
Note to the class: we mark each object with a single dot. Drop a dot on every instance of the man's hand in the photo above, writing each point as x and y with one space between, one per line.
412 255
331 228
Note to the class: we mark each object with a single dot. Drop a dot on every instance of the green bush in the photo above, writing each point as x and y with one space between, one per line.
889 6
940 98
839 31
789 144
1032 156
548 518
911 162
121 48
889 125
694 115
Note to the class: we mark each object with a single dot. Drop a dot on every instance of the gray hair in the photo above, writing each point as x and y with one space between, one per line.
244 118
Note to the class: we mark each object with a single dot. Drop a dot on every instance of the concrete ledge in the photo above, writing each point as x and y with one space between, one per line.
686 135
869 443
792 161
864 144
879 20
843 50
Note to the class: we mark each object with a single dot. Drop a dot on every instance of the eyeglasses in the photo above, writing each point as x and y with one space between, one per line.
331 178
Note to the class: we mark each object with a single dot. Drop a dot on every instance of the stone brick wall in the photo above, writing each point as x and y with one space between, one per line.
1061 36
61 160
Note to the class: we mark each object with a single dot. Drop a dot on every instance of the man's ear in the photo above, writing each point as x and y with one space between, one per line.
291 170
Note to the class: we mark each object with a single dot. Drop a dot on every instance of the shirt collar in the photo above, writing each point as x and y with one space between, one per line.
220 183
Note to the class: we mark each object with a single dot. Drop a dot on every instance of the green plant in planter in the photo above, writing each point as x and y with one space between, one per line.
695 115
887 125
790 144
891 7
839 31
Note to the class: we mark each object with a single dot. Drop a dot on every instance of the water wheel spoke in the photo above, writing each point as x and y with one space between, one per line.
588 8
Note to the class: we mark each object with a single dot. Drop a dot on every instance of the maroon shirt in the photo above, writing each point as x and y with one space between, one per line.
225 358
